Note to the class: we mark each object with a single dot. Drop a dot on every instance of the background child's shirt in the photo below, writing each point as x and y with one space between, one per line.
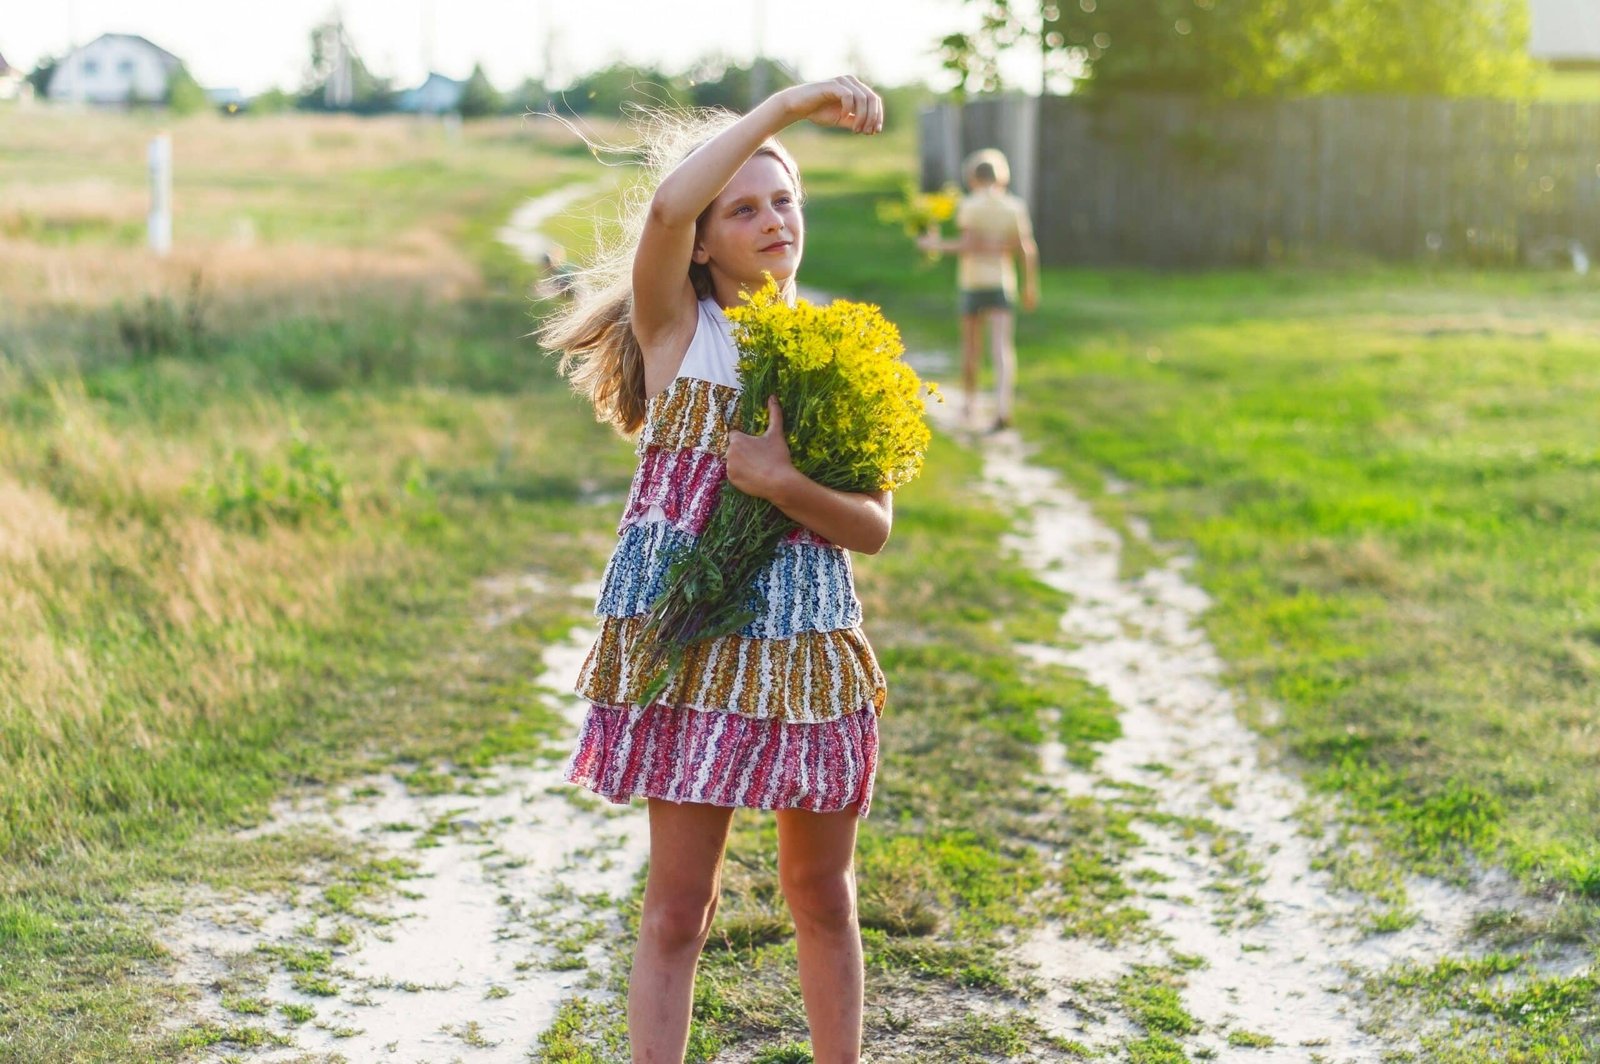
997 216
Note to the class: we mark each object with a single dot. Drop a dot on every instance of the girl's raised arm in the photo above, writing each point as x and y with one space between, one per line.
663 297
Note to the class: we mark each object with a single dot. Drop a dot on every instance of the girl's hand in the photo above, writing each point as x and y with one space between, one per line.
843 103
760 465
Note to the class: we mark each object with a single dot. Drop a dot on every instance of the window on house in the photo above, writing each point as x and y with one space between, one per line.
125 68
91 67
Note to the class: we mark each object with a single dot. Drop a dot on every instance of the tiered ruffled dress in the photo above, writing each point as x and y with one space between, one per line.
783 714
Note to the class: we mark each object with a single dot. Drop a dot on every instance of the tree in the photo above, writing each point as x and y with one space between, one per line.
39 77
337 79
531 95
607 90
716 81
1256 47
184 94
271 102
1434 47
479 97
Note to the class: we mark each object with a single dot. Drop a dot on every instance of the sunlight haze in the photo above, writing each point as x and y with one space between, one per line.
258 46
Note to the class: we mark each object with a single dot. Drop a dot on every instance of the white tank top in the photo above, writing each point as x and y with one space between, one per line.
712 355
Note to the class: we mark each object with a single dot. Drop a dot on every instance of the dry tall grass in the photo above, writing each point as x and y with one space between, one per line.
129 610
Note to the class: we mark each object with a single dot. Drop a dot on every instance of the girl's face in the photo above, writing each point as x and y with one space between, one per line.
753 227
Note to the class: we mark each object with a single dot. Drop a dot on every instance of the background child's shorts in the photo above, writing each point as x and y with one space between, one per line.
977 299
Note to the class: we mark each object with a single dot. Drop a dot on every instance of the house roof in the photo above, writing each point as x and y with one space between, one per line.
1565 30
167 58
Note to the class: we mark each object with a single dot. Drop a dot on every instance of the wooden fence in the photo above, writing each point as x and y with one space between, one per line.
1178 181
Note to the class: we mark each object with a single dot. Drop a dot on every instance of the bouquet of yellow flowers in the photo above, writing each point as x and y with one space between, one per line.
853 417
919 213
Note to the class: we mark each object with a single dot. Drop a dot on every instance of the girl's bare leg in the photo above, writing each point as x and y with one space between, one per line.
971 358
680 897
1003 342
816 865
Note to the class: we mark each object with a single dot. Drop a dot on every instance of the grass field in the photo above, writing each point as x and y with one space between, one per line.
244 530
241 520
242 523
1390 478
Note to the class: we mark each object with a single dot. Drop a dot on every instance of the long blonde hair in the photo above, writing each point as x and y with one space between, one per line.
593 334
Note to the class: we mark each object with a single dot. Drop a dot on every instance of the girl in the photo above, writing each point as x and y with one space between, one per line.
995 228
783 715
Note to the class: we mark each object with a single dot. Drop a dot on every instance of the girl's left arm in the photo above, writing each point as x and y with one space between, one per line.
760 466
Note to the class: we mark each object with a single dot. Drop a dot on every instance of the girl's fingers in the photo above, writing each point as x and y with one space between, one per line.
855 105
860 109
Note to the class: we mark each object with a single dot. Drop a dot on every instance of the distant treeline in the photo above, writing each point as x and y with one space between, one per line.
711 82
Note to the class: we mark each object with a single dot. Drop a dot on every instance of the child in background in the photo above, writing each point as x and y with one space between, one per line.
995 228
559 275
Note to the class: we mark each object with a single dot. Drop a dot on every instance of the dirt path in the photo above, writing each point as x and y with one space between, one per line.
508 901
1226 871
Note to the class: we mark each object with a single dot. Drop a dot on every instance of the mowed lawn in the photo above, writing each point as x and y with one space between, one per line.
1391 479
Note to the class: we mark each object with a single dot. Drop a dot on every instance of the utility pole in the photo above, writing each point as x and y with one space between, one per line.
339 90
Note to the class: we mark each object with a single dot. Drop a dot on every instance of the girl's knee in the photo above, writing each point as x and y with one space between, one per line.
678 920
821 899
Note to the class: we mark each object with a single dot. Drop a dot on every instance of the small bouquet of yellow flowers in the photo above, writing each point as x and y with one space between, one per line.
853 416
920 213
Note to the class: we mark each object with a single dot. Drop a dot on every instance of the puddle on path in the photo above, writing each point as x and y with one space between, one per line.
1277 939
507 913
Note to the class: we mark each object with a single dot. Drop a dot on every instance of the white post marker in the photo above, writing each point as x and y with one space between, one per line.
160 223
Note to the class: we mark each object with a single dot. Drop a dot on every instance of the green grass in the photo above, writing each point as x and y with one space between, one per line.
258 528
1388 476
1391 478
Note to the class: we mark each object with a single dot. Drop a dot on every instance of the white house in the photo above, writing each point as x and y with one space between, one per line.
115 68
436 96
1566 33
13 82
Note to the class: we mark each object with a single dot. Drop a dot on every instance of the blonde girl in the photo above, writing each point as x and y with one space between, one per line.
782 715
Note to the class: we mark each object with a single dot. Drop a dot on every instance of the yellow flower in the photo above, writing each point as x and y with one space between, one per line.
852 406
917 212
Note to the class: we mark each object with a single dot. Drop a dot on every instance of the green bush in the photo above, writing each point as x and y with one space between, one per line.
184 94
302 485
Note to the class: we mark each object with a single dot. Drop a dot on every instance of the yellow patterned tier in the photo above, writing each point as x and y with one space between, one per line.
689 414
809 678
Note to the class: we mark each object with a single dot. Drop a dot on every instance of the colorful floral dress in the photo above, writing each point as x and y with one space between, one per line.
781 715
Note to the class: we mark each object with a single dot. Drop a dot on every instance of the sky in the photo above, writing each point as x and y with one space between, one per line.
256 45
